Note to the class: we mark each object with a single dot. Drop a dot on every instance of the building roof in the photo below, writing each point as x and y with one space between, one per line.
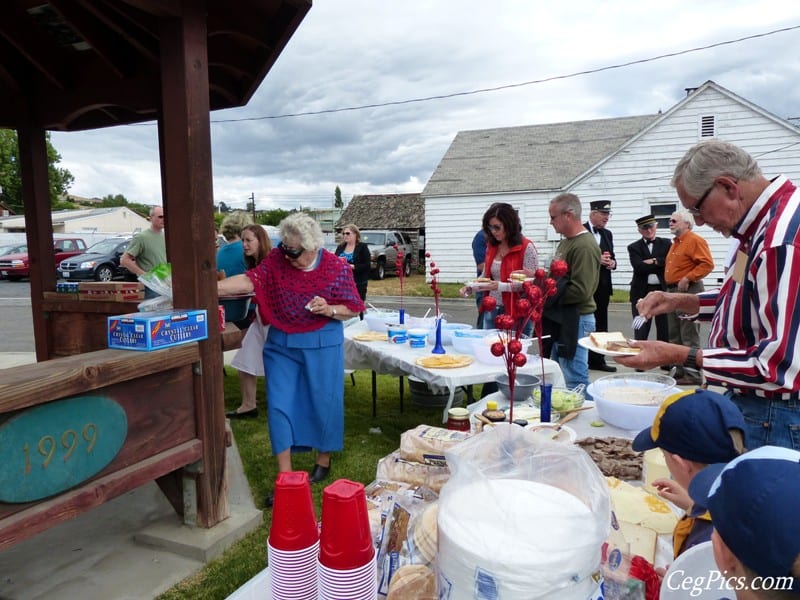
385 211
72 65
529 158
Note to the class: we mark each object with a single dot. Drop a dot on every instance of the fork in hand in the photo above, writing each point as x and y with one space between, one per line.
638 322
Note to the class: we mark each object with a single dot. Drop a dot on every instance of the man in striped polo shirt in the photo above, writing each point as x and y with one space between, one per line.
754 347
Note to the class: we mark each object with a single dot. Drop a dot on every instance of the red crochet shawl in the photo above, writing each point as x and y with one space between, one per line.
282 291
512 261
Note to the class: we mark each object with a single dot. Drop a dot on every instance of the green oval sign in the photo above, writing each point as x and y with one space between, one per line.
54 447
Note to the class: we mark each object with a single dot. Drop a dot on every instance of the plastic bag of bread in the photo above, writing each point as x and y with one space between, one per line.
427 444
413 581
409 537
396 469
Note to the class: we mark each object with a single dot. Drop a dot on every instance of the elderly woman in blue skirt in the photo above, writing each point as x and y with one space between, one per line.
304 293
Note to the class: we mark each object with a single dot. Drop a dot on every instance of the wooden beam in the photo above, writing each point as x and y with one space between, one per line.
44 54
38 227
185 145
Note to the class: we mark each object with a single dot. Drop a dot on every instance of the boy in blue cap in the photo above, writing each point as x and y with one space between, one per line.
756 540
693 429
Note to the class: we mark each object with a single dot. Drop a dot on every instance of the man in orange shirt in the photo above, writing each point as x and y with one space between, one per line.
688 261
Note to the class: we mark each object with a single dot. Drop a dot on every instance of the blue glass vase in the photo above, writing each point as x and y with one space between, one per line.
438 348
545 403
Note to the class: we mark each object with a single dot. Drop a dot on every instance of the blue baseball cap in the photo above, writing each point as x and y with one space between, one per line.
694 425
753 505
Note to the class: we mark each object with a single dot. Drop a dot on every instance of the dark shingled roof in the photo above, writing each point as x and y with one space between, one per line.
385 211
533 157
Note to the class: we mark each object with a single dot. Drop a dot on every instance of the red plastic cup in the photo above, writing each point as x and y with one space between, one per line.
294 522
346 541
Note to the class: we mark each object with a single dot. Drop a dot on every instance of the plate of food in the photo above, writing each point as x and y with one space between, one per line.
479 283
371 336
609 343
445 361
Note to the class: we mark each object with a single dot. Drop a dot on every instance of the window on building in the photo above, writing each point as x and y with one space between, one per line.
708 126
662 213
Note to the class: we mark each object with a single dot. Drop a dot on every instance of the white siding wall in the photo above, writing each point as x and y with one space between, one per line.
634 180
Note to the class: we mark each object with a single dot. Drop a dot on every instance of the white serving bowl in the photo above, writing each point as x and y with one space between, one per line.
481 348
448 329
463 338
379 321
553 432
630 400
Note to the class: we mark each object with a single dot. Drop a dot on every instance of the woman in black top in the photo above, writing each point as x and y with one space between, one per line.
356 253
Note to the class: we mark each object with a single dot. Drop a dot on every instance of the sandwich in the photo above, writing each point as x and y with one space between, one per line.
518 276
613 341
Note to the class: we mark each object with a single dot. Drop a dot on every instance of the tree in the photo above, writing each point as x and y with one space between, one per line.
337 198
117 200
11 180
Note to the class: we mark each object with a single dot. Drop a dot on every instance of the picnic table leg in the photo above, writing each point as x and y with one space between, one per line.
449 404
374 394
402 389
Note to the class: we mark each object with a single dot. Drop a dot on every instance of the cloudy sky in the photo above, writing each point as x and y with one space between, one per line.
553 62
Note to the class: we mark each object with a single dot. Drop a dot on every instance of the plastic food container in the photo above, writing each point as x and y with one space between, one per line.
379 321
483 352
463 338
630 400
448 329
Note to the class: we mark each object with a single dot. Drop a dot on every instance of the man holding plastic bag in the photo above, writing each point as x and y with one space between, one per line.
147 249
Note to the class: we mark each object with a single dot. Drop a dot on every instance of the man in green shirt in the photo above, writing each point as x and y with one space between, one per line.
147 249
575 306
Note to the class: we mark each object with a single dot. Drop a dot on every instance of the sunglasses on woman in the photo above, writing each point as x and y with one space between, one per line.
290 252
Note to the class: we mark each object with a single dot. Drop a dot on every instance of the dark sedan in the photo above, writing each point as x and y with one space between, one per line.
100 263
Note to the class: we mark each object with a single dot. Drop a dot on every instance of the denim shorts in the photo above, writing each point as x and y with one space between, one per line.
769 422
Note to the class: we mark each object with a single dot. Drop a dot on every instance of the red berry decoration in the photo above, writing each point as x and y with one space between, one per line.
514 346
558 268
497 349
540 274
519 359
488 304
522 306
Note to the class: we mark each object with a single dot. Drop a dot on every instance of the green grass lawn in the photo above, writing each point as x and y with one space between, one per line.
362 450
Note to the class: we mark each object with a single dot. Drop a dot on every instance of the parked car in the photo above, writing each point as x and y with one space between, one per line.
12 249
99 263
383 248
17 266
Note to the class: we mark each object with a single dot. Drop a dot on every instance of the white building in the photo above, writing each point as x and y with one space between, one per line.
628 161
113 220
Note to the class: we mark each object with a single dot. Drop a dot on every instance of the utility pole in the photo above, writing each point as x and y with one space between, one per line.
253 204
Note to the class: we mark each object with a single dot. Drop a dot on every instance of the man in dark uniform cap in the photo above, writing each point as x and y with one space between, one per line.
599 213
648 256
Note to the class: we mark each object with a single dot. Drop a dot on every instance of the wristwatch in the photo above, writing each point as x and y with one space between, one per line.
691 360
333 312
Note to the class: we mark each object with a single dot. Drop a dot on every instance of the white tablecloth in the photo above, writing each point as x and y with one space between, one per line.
400 360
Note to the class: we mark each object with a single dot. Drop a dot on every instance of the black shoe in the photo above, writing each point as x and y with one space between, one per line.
318 473
269 500
248 414
603 367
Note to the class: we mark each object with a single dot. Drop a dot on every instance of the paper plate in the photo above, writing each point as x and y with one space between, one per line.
696 564
445 361
586 342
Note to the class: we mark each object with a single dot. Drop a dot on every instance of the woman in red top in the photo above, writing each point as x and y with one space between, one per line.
507 250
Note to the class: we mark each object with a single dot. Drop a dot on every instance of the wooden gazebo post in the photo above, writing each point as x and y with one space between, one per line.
185 147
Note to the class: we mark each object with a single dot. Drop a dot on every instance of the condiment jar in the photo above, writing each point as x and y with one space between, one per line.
458 419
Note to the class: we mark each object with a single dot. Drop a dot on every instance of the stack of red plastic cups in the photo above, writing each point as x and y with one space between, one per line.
293 544
347 568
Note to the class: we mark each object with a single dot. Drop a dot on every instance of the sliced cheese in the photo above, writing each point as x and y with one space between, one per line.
634 505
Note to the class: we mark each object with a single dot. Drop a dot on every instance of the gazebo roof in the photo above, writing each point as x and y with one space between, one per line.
70 65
